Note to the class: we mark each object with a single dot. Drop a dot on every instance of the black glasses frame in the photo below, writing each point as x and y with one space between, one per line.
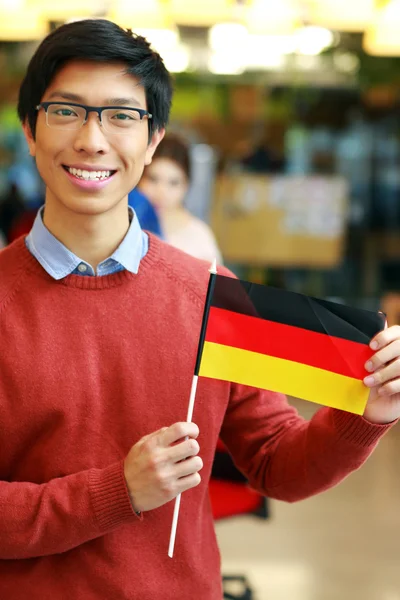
97 109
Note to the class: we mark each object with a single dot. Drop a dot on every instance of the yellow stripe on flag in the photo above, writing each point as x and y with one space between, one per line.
285 376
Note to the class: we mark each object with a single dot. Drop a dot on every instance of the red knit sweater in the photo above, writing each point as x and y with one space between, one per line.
87 367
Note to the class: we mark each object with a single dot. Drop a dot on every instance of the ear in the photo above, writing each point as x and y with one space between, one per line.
151 148
29 138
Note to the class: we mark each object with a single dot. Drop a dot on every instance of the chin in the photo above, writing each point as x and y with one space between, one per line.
89 206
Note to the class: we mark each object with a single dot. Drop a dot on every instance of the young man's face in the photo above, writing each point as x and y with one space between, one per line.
115 160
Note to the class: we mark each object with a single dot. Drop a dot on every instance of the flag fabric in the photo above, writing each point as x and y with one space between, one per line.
287 342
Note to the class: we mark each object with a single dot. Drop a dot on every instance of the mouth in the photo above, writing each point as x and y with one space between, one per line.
89 175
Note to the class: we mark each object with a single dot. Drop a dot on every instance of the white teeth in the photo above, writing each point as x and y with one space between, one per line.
89 175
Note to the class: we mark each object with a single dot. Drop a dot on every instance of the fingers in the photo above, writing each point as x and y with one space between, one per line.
183 450
187 483
390 388
166 436
179 431
385 337
162 465
188 467
384 366
389 375
384 356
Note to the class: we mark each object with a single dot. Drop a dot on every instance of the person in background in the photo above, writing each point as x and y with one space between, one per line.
266 156
165 182
145 212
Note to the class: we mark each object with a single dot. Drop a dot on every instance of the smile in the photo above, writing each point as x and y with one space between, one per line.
89 175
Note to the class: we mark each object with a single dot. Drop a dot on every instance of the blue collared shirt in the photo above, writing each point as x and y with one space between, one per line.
59 262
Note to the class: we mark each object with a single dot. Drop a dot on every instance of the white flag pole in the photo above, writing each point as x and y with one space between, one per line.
212 271
178 498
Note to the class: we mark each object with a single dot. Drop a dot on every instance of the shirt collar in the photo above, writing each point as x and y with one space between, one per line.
59 262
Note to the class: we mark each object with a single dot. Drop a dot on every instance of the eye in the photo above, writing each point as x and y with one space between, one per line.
64 112
123 115
152 178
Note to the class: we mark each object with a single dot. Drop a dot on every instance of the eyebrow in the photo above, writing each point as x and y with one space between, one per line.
108 102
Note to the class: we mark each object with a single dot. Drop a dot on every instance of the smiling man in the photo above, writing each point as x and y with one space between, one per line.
91 150
99 328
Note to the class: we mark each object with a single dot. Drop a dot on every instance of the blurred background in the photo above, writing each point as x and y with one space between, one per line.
291 112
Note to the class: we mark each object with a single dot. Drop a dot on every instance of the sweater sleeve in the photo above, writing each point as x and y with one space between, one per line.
50 518
286 457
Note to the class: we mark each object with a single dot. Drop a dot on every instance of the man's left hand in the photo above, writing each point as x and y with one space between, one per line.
384 380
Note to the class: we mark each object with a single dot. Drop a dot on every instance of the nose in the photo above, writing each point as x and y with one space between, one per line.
90 138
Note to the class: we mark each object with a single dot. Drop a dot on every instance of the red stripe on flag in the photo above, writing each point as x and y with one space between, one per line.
285 341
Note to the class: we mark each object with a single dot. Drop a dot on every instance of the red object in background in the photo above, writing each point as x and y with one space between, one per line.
220 446
22 225
230 494
229 499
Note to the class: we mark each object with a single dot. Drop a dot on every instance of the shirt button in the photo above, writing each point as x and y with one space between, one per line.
82 268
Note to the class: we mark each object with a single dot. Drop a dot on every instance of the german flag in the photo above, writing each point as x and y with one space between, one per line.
286 342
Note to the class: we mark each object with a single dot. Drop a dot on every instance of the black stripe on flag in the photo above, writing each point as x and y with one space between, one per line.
298 310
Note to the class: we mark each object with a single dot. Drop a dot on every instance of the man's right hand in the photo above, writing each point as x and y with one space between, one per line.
162 465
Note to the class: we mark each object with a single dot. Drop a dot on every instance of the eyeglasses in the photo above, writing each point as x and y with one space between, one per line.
71 116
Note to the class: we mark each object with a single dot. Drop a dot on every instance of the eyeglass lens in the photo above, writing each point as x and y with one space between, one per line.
114 120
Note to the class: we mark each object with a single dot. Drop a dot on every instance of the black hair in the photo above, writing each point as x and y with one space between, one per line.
101 41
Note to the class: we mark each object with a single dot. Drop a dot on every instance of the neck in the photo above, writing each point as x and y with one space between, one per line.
91 237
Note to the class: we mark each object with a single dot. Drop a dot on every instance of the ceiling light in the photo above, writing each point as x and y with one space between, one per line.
63 10
223 63
224 36
276 17
162 40
19 23
201 14
177 60
312 40
135 14
382 37
342 15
